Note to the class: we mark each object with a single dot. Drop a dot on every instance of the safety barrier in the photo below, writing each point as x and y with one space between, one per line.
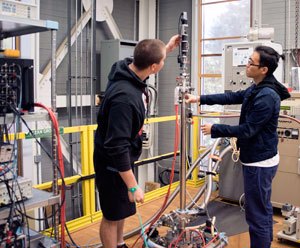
90 215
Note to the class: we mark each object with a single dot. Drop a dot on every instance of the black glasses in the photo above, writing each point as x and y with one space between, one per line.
250 63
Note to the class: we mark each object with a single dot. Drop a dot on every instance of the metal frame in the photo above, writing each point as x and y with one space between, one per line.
90 214
15 26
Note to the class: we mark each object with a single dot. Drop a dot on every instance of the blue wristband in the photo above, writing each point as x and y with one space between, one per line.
133 189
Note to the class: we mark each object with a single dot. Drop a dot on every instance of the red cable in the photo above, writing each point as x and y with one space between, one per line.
62 170
171 176
291 118
200 234
178 238
172 171
211 241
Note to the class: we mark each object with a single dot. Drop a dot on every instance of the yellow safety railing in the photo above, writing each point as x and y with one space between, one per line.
90 214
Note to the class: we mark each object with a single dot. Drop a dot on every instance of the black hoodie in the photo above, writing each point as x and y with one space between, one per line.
257 129
120 118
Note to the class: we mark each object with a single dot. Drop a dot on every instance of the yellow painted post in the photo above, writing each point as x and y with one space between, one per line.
85 170
195 148
18 136
91 170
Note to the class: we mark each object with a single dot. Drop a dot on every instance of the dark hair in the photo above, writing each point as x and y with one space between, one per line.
148 52
268 58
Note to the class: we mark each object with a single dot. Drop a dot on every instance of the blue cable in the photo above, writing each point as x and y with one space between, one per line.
132 190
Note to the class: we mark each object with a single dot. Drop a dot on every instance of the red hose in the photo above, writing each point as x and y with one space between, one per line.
62 171
171 176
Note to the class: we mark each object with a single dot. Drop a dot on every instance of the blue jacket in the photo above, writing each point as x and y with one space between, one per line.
257 129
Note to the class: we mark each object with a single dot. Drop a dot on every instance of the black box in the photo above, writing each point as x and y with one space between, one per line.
16 85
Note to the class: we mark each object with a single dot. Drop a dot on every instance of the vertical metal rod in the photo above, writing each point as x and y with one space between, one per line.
182 169
81 105
81 66
184 87
69 94
288 48
76 68
93 60
54 139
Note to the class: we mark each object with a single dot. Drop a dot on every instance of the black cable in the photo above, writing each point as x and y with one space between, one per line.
69 235
40 245
13 121
31 132
58 210
42 146
6 165
9 218
12 107
13 207
46 223
155 159
56 164
10 189
24 209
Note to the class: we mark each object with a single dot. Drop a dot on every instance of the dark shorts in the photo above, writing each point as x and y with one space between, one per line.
113 192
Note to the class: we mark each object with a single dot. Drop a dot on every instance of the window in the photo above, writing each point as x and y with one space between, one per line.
222 22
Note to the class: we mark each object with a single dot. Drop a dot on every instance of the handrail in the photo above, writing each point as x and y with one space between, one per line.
87 169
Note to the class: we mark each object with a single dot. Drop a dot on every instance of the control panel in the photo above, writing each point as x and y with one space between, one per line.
288 133
235 60
291 106
18 8
16 85
286 184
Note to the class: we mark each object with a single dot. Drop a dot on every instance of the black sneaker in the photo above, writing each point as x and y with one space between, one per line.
122 246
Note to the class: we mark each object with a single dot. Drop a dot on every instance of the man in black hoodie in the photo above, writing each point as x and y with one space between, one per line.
118 142
257 138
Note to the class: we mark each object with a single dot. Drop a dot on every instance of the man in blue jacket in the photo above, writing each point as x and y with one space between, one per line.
257 138
118 141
